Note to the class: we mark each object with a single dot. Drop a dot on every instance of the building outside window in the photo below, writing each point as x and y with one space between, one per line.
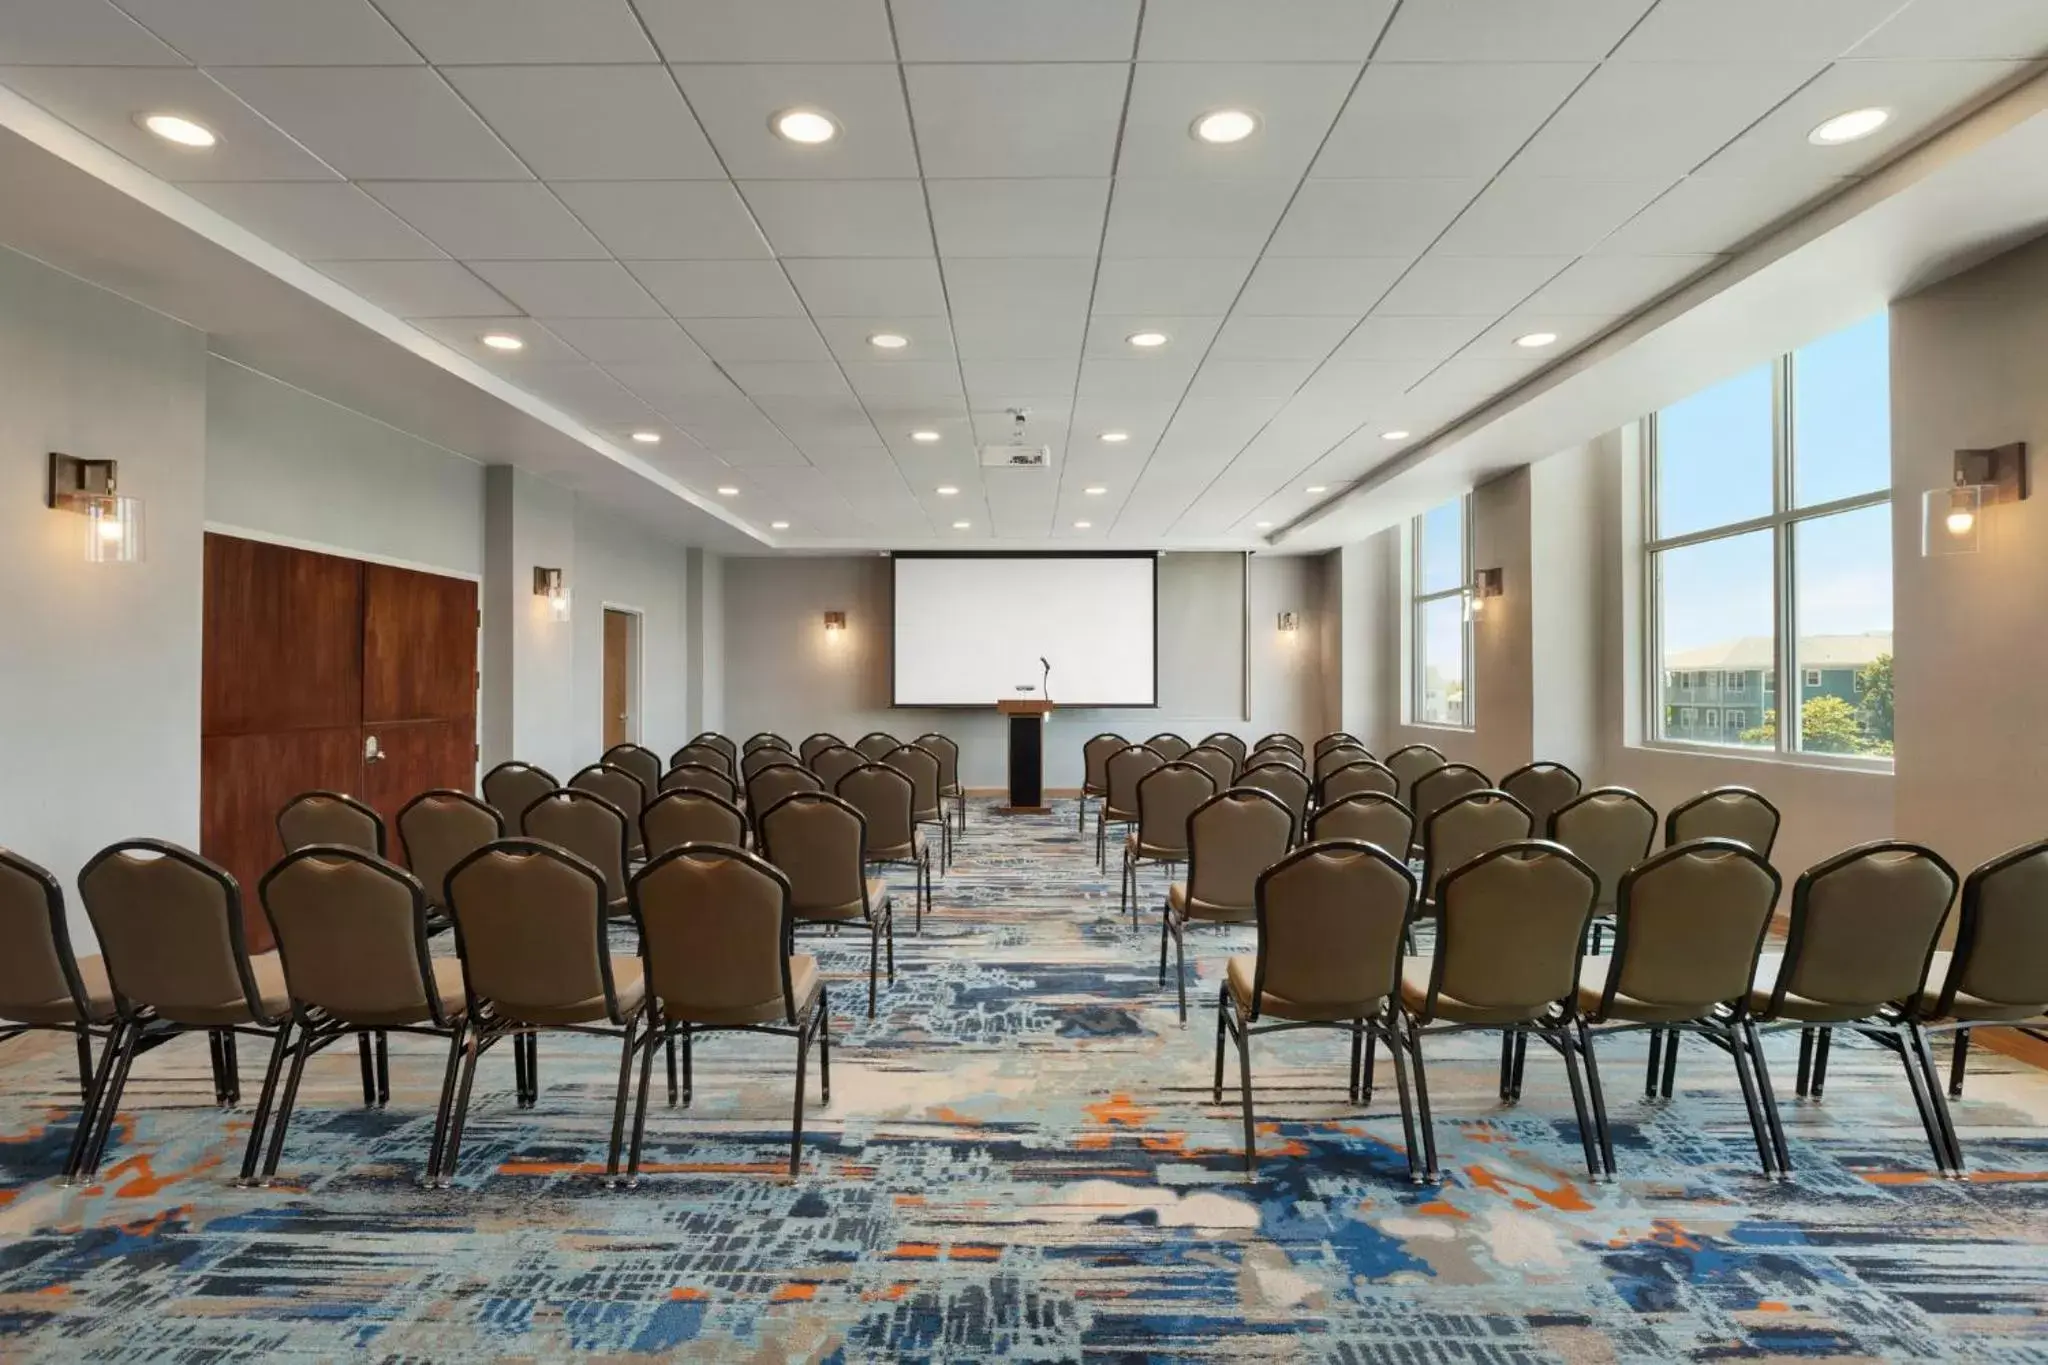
1440 627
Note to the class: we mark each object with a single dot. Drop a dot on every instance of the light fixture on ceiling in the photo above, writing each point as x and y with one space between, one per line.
1145 341
1853 126
113 523
960 525
945 490
502 341
1263 525
1952 519
888 341
175 128
1225 125
1083 525
1393 436
1535 341
1095 490
1315 488
1115 438
647 438
728 492
806 126
778 526
924 437
549 586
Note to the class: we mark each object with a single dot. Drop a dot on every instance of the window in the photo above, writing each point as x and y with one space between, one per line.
1440 639
1712 719
1769 549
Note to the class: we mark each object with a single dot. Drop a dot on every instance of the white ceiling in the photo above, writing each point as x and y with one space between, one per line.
1015 190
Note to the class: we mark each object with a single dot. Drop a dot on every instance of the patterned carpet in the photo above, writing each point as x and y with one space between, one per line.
1021 1161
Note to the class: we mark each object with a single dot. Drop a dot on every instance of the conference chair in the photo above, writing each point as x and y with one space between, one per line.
767 756
927 807
1121 773
1094 775
1440 786
1288 783
700 777
1330 918
1278 740
717 949
1366 818
815 745
644 764
44 985
533 931
1229 744
1543 788
1610 828
324 817
767 739
820 843
777 780
700 754
508 789
720 743
351 933
684 816
1464 828
1277 753
1862 935
875 745
948 754
597 832
1232 838
1335 757
834 763
623 790
1410 762
439 829
1168 746
1689 924
1333 739
1218 763
1737 813
1509 928
884 798
1366 775
1166 798
169 925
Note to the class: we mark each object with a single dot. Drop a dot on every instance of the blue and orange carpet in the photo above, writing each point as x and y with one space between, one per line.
1021 1161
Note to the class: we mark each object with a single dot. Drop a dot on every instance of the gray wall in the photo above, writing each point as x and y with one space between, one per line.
621 565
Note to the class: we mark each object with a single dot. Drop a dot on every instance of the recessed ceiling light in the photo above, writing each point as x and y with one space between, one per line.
183 131
1226 125
1083 525
925 436
1393 436
1315 488
888 341
1263 525
946 490
1095 490
728 492
1146 340
1532 341
502 341
1857 123
807 126
960 525
778 526
647 438
1116 438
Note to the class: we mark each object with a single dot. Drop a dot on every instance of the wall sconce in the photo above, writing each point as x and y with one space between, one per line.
1952 518
1486 585
835 623
548 583
1289 621
113 524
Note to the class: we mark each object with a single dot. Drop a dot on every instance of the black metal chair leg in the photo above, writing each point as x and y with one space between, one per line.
83 1038
109 1103
1357 1057
671 1043
1521 1065
1959 1060
219 1065
383 1069
1507 1063
447 1101
689 1062
282 1118
89 1110
231 1068
1773 1120
1222 999
265 1100
1588 1134
1424 1119
1395 1050
518 1071
451 1158
1372 1047
874 966
1671 1042
824 1047
1759 1126
656 1033
625 1091
1804 1080
369 1072
532 1041
1244 1086
1820 1061
1923 1051
796 1123
1655 1065
1599 1098
1923 1101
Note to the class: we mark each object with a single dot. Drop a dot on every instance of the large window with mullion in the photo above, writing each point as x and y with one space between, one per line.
1440 630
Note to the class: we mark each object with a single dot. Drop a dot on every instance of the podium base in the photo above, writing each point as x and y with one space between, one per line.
1023 810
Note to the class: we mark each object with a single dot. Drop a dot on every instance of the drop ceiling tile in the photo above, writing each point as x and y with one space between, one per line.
101 102
720 289
1355 387
1306 286
1037 334
738 104
1529 31
861 288
1003 383
1055 285
787 378
1186 337
770 30
1526 215
275 32
376 122
1752 30
1478 379
617 342
591 122
755 339
513 31
1189 218
667 220
1018 217
570 289
495 221
898 381
969 124
419 289
543 348
808 422
767 455
1234 379
1106 381
1616 284
1203 288
929 338
673 386
1438 119
1707 213
1295 102
1339 218
1231 31
317 222
1005 31
1573 330
1252 337
842 217
1406 338
1932 29
1655 119
77 33
1479 286
585 392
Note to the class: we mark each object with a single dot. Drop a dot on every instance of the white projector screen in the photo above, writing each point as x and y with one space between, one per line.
971 628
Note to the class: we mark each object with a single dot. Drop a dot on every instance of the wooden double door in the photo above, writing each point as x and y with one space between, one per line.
325 672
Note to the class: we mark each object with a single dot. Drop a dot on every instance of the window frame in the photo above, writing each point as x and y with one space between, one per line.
1418 601
1782 522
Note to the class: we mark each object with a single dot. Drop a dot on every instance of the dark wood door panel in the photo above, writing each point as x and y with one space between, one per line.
245 779
618 657
419 646
418 755
282 641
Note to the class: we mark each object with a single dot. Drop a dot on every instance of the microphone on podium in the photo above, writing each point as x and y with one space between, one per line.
1045 680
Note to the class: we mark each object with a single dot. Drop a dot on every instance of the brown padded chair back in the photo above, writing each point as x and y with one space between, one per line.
1337 756
2001 953
705 756
1330 921
767 739
1166 798
1610 828
820 844
884 797
921 766
440 828
1278 740
1461 830
1410 762
815 745
767 756
683 817
1510 925
700 777
1288 783
330 818
1367 818
1232 838
170 930
1277 753
1735 813
1335 738
1168 746
715 934
1229 744
1544 788
39 981
1863 926
1438 787
834 763
644 764
1689 924
1123 771
509 789
720 743
1365 775
777 780
352 933
590 827
875 745
530 921
1095 761
948 753
615 785
1220 766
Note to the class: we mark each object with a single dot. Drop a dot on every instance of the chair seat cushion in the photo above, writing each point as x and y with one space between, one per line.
99 1000
1158 853
1177 897
1415 974
804 983
912 852
1241 973
1593 983
878 891
268 971
627 983
1921 1006
448 985
1798 1006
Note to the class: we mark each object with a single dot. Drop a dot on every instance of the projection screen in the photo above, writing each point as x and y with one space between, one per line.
970 629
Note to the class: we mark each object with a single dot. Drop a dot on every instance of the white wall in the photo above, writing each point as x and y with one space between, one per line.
622 565
99 681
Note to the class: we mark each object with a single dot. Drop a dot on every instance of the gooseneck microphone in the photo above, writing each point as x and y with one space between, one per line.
1045 680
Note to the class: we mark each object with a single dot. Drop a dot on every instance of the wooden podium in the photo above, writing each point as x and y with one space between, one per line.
1027 754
